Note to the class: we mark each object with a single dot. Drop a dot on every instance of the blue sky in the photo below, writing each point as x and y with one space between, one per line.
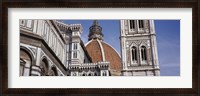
167 35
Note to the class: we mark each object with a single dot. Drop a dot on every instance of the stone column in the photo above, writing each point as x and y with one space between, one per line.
38 57
35 71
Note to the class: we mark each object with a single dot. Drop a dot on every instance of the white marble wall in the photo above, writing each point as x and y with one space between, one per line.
47 31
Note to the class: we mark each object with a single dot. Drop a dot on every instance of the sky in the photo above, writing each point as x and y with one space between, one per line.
167 35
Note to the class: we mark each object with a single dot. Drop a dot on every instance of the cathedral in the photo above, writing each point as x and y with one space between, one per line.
53 48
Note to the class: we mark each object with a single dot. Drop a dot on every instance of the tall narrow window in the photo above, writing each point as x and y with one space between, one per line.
25 62
22 65
141 23
104 73
143 53
75 46
22 22
132 24
75 54
134 54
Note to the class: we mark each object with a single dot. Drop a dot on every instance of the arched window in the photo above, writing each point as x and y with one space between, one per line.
141 23
75 54
53 72
134 53
132 24
143 53
104 73
22 22
74 74
95 74
44 67
25 61
84 61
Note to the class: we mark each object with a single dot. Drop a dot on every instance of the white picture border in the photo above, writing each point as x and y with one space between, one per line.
183 81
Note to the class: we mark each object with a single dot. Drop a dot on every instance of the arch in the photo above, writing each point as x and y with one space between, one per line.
24 54
89 74
84 74
53 71
95 73
143 53
30 53
44 66
26 60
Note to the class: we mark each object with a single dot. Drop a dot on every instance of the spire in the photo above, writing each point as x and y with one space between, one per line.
95 31
95 22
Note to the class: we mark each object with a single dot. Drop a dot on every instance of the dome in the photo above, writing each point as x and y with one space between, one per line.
101 51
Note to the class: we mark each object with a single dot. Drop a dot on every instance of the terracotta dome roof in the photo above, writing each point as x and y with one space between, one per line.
101 51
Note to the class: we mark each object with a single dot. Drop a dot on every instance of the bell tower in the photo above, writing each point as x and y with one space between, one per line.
139 48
